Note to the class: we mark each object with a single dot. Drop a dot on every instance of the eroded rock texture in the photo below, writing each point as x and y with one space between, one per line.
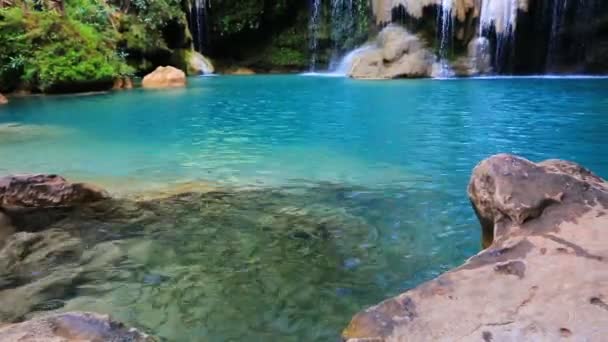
71 327
543 277
44 191
396 53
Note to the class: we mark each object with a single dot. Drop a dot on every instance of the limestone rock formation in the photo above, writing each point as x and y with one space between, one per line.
45 191
543 277
165 77
3 99
199 64
396 53
71 327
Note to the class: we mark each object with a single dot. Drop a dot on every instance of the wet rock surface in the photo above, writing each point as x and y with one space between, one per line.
45 191
71 327
543 275
397 53
165 77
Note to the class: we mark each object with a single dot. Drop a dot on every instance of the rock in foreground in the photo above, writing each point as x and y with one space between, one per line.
165 77
396 54
45 191
71 327
543 277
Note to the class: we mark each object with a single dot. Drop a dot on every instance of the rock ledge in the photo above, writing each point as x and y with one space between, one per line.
543 276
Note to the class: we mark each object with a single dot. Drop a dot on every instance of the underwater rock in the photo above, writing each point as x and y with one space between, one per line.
543 276
165 77
3 99
72 327
199 64
397 53
45 191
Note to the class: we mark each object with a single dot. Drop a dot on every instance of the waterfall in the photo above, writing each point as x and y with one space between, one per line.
343 17
499 17
446 29
577 13
198 20
341 23
313 28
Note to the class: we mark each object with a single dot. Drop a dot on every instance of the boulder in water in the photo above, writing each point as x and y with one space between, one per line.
72 327
165 77
3 99
396 54
199 64
45 191
543 276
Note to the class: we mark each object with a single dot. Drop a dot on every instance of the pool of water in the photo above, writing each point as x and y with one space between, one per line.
335 194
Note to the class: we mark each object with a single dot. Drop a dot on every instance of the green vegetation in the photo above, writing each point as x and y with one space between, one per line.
85 44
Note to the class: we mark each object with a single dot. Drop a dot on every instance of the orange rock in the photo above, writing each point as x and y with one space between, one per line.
165 77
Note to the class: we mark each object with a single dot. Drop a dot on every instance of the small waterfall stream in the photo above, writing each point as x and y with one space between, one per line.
578 14
313 28
445 29
342 18
499 18
198 20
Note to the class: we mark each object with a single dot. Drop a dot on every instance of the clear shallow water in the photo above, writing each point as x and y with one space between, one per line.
359 190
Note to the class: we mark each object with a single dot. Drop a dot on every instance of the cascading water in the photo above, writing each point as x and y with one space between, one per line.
446 26
579 14
313 27
342 22
198 19
345 27
499 17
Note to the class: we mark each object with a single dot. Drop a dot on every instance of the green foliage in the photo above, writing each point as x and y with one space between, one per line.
45 50
84 42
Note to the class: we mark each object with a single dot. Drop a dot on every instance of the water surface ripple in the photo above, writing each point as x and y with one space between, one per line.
338 193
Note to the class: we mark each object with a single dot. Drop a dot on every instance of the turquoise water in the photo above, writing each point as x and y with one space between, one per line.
337 193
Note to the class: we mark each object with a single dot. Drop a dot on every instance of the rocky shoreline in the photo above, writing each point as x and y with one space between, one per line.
542 277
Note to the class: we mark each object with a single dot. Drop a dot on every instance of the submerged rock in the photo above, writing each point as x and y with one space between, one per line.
3 99
165 77
396 53
543 276
45 191
72 327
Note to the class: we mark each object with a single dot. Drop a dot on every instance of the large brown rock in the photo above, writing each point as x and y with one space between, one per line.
3 99
543 277
45 191
165 77
71 327
396 53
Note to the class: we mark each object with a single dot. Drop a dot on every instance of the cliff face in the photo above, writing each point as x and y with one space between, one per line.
525 36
